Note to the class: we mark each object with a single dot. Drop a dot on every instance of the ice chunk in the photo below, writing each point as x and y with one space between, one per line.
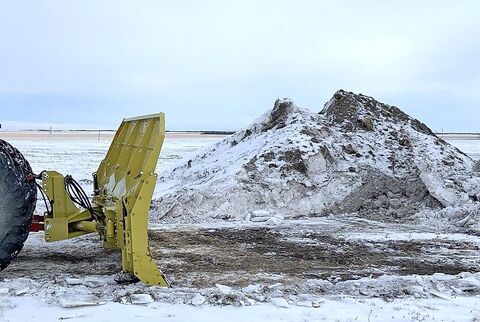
225 290
260 213
275 220
255 288
141 299
280 302
22 291
98 281
436 188
73 281
198 299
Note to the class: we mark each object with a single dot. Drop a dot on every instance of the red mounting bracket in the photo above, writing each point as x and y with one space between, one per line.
37 223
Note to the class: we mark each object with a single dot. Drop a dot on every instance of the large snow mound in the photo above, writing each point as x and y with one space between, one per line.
356 156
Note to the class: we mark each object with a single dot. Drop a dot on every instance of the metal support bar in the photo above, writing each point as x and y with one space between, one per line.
86 226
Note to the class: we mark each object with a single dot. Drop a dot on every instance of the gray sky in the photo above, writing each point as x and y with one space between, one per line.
220 64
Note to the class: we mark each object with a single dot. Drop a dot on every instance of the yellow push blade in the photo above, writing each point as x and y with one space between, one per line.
127 177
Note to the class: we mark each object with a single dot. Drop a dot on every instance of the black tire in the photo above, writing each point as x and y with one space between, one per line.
18 197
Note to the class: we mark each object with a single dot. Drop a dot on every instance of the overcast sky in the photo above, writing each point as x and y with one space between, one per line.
220 64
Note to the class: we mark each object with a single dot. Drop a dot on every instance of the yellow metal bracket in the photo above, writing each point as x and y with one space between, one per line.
59 224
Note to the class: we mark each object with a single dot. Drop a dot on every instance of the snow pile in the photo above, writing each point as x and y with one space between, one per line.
356 156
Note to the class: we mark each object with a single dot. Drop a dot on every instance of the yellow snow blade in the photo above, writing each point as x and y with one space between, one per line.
123 190
125 182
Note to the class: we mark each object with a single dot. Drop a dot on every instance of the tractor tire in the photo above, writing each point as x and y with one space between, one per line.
18 197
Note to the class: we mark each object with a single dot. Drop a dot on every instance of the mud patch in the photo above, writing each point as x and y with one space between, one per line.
202 258
40 260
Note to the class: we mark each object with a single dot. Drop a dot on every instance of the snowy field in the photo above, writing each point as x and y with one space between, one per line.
471 147
380 272
81 157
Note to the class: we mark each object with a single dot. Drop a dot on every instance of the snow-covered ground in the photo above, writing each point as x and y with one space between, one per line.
81 157
343 309
53 282
353 270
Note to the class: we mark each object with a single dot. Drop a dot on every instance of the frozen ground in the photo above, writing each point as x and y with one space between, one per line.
343 268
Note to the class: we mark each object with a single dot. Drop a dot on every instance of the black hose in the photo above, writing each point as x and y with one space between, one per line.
75 193
46 200
79 197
